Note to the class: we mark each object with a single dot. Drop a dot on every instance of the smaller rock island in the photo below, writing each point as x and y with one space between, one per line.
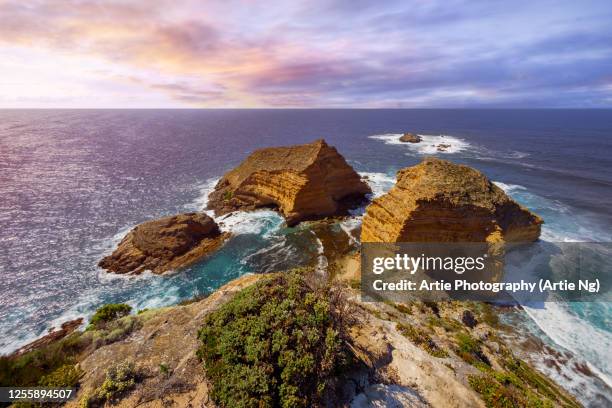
303 182
165 244
410 138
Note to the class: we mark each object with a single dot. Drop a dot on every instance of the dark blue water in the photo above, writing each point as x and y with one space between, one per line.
73 182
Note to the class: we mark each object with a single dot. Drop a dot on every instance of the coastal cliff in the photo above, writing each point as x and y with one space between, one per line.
401 354
164 244
439 201
302 337
304 182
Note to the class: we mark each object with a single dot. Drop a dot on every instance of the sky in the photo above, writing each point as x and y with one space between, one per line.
305 54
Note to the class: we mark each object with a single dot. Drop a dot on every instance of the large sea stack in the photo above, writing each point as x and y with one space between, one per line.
165 244
439 201
303 182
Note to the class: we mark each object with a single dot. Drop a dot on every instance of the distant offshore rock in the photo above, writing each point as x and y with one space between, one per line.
410 138
165 244
439 201
303 182
442 147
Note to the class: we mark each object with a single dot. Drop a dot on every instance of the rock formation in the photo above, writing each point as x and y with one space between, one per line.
54 335
303 182
442 147
439 201
410 138
164 244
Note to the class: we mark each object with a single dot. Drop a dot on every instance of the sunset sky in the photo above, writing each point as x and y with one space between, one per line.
308 53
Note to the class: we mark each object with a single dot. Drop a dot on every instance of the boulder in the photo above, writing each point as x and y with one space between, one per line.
439 201
303 182
468 319
410 138
165 244
442 147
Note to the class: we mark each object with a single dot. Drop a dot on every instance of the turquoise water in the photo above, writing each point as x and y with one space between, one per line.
74 182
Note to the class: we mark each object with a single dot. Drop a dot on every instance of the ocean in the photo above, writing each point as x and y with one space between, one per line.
73 182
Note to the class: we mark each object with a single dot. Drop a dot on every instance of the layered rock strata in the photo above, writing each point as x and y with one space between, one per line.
165 244
303 182
439 201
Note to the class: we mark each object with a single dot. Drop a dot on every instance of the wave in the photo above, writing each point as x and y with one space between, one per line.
576 335
201 200
259 222
556 319
428 144
322 262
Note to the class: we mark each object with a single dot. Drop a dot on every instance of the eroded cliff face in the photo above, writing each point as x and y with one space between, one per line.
164 244
439 201
304 182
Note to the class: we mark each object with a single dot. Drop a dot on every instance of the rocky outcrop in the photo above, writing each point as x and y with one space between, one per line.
165 337
303 182
439 201
410 138
54 335
165 244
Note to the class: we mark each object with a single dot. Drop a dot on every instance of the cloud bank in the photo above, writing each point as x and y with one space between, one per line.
313 53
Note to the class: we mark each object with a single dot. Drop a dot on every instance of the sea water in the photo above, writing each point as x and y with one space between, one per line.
73 183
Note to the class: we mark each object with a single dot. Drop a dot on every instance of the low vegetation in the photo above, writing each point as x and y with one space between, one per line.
421 339
468 348
54 364
108 313
278 343
120 379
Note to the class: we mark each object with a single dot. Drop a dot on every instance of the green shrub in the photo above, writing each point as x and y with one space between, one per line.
468 348
108 313
403 308
113 330
65 376
537 381
421 339
28 369
494 394
119 380
275 344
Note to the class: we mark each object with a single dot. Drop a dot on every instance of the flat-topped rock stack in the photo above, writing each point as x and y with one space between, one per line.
303 182
440 201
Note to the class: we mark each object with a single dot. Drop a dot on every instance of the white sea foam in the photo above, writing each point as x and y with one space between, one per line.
508 188
428 144
322 262
349 226
562 326
380 183
576 335
261 222
204 189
